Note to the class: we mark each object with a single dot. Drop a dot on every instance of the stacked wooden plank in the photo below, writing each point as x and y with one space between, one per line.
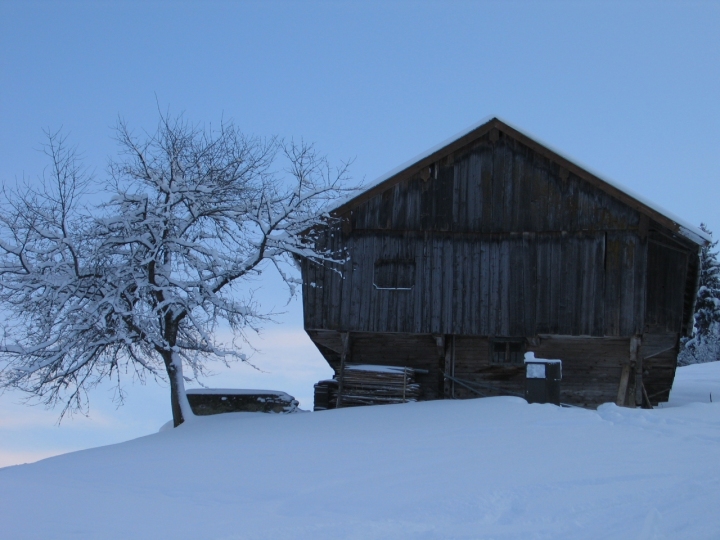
325 395
368 385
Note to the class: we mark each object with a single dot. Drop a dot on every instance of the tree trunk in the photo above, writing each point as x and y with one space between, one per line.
181 410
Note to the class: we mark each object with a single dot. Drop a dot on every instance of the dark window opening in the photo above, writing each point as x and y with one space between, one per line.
394 274
508 352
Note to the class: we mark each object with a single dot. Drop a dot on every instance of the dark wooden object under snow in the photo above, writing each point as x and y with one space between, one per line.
495 245
207 401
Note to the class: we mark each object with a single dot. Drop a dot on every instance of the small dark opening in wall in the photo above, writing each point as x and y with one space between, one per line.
507 351
394 274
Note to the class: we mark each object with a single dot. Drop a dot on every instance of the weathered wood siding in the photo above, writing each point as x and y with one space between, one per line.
494 187
402 350
504 285
502 242
591 366
659 361
498 240
667 267
590 371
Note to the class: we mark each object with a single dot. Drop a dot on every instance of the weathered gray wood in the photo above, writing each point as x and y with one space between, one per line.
343 361
659 354
635 375
449 366
623 386
507 241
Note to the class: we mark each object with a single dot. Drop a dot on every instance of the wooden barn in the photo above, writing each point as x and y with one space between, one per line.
493 245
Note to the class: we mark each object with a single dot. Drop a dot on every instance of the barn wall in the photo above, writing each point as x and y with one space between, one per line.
667 272
498 240
486 285
501 240
659 353
590 370
403 350
493 187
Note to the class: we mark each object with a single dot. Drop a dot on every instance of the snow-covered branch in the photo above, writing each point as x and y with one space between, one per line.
143 280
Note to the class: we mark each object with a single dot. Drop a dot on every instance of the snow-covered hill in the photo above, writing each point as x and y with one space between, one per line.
486 468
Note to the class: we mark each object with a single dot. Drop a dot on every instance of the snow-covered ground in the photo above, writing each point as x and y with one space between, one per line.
485 468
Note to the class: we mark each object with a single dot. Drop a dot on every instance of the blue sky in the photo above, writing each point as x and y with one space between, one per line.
630 89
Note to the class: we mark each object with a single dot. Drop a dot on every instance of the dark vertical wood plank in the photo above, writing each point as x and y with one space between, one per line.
428 284
640 285
448 272
400 202
346 284
436 290
458 200
516 316
486 163
486 286
505 295
308 289
474 192
369 293
530 285
557 277
539 201
498 188
462 286
599 287
574 264
474 296
420 280
542 286
335 284
627 273
586 301
357 285
494 306
612 286
509 202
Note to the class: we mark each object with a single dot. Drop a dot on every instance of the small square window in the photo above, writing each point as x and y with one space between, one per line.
508 352
394 274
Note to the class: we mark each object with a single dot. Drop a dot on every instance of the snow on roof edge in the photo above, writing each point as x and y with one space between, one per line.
409 163
686 229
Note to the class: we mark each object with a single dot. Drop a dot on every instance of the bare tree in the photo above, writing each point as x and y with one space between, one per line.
142 281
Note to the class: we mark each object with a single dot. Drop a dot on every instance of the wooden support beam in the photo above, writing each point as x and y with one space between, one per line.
449 354
648 403
440 344
442 383
635 343
631 376
622 389
341 374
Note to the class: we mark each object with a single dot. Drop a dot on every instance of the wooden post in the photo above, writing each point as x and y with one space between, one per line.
631 376
341 374
622 389
443 383
638 397
450 367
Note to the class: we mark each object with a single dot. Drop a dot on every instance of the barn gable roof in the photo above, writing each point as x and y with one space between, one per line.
438 152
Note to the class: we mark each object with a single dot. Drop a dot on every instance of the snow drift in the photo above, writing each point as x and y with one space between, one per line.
485 468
